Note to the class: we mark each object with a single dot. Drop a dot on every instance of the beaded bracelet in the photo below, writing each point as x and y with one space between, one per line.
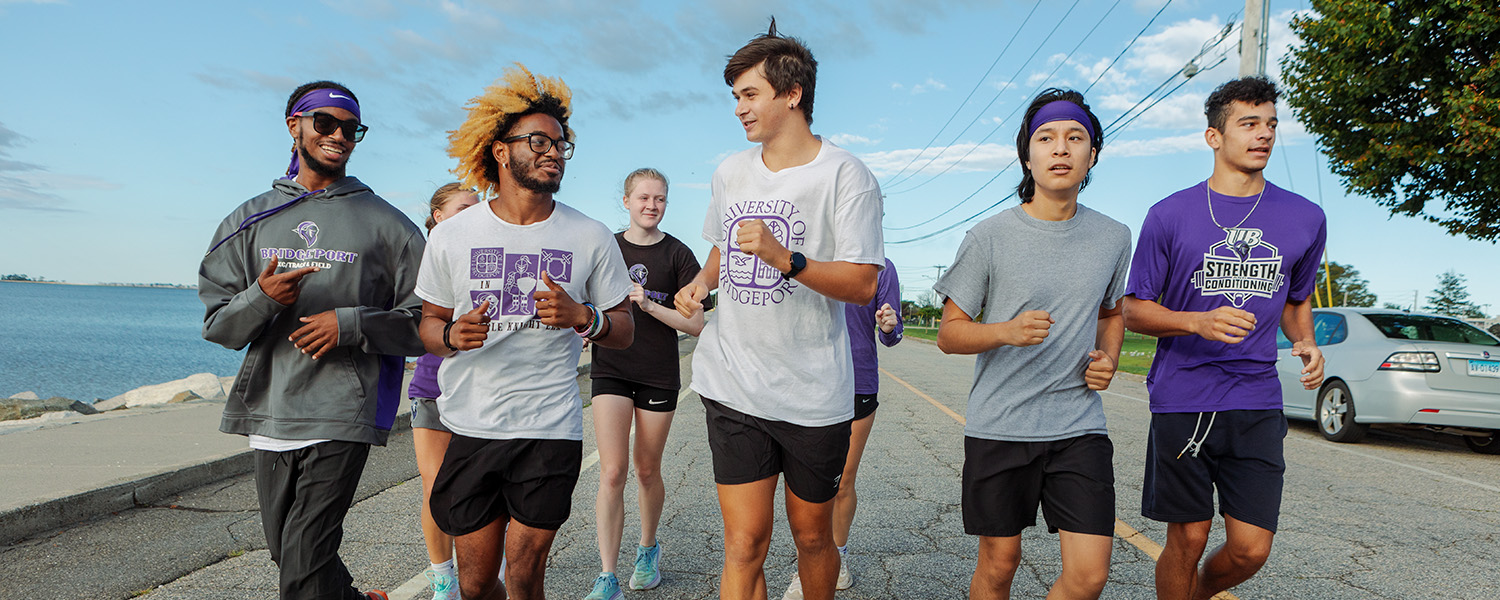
590 329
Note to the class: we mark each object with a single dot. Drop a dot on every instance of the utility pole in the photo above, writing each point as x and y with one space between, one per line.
1254 37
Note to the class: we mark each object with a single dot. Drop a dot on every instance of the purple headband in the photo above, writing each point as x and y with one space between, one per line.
319 98
1061 110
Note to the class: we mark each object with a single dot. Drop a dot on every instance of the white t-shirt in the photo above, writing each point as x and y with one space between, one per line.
776 349
522 384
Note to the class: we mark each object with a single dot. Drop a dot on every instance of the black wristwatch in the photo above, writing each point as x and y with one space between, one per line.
799 262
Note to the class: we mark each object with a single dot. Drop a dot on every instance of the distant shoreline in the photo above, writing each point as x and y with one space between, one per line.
166 286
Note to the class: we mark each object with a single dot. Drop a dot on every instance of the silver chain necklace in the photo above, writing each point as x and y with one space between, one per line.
1210 194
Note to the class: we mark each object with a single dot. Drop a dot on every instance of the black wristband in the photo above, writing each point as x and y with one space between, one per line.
446 329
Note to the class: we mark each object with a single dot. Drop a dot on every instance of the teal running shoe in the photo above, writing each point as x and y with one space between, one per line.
606 587
444 586
647 574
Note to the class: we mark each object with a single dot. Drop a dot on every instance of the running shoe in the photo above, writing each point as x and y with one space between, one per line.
846 580
646 574
444 585
376 595
793 591
606 587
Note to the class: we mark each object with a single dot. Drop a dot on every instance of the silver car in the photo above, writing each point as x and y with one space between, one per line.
1394 367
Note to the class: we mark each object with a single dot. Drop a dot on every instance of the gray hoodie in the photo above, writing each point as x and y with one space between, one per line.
369 254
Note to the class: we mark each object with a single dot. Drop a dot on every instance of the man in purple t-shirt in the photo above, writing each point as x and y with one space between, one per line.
1217 266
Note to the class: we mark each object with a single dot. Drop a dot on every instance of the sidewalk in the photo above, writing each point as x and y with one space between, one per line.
76 469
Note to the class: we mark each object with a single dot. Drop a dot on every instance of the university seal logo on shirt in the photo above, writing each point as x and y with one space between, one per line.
1242 266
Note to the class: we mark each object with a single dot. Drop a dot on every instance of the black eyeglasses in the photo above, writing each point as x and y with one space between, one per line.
540 143
326 124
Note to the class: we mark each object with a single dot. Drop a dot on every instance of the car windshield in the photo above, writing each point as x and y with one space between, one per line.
1430 329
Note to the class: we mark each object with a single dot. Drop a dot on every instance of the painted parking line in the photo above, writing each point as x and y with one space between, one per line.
1123 530
418 585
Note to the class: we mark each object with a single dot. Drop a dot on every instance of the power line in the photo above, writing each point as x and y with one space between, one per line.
1012 79
1127 46
1002 122
1109 131
977 84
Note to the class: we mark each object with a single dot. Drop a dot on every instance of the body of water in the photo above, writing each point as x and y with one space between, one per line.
96 342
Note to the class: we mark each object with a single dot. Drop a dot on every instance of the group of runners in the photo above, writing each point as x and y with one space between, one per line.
330 287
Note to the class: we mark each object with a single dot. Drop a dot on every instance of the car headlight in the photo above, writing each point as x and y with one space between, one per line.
1426 362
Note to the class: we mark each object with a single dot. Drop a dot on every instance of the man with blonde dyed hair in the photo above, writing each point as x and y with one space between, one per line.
501 287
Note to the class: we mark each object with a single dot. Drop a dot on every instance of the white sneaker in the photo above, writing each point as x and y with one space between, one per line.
793 591
845 578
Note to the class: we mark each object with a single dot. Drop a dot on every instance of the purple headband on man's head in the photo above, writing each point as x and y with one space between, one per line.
1061 110
319 98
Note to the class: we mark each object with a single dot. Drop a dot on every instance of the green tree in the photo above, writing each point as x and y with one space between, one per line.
1349 289
1451 297
1392 306
1404 96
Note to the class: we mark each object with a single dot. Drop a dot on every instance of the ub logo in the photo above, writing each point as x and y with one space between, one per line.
1241 267
638 273
308 231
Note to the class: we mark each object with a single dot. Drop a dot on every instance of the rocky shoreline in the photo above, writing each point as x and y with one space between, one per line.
26 408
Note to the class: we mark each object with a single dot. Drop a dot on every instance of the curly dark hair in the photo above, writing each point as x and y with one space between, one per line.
787 61
1254 89
1027 188
303 89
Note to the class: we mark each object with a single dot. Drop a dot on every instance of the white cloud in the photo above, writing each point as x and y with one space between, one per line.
958 158
1161 54
1177 144
847 139
1183 110
921 88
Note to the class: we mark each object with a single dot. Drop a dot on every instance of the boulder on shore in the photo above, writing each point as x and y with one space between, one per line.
203 385
26 396
26 408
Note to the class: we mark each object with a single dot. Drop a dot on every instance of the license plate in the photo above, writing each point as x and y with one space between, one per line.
1484 368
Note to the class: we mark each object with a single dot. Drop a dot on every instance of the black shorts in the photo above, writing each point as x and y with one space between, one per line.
424 415
865 405
483 480
747 449
1073 480
1241 456
654 399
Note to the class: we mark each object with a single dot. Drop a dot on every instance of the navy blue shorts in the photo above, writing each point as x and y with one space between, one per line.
1241 456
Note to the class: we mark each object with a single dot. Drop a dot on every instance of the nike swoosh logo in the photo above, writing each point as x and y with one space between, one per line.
653 402
333 95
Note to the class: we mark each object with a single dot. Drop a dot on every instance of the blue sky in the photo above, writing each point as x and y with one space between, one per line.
128 130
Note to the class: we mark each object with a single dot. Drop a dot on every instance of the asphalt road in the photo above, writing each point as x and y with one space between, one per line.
1401 515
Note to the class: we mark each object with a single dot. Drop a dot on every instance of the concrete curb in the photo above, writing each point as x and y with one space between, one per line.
32 519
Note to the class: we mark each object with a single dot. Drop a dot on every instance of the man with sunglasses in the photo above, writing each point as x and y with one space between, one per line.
510 288
316 276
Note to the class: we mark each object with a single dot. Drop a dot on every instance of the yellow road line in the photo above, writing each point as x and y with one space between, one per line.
1123 530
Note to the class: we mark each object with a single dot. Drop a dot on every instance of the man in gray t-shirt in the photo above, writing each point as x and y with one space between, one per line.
1034 292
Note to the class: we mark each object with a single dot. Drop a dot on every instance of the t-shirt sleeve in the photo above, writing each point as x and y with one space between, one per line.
713 227
1148 268
609 283
1305 271
1117 282
857 229
968 279
434 283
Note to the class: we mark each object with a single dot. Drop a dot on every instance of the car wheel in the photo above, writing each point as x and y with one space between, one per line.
1489 444
1335 413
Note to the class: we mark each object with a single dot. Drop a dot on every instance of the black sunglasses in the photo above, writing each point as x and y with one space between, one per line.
326 124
